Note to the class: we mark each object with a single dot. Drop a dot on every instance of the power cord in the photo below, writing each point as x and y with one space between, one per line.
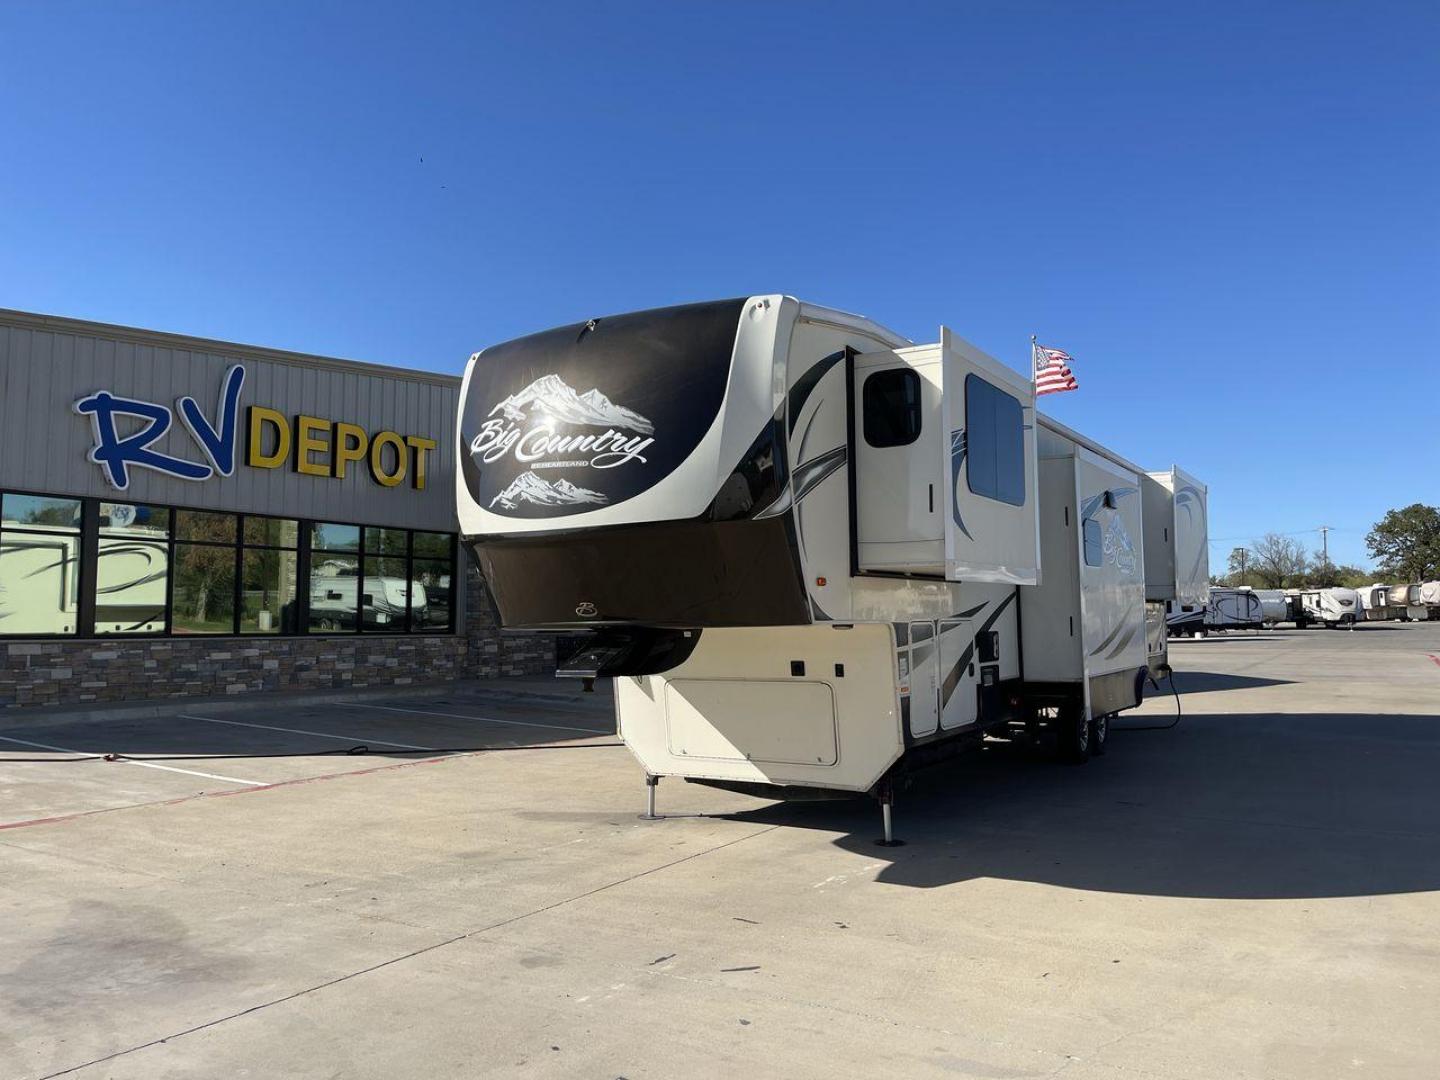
1170 675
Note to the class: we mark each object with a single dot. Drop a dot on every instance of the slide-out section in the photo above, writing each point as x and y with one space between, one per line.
945 464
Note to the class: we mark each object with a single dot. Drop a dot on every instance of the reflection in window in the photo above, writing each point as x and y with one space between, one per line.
385 541
384 597
430 602
205 526
130 579
267 593
271 532
39 581
134 519
334 591
204 589
42 510
329 537
157 570
430 545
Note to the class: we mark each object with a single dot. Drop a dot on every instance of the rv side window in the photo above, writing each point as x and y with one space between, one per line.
892 407
1094 544
995 442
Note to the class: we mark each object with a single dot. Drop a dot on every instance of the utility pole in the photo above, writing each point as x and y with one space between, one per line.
1324 531
1240 554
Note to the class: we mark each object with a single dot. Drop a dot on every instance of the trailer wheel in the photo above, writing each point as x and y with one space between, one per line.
1099 735
1073 735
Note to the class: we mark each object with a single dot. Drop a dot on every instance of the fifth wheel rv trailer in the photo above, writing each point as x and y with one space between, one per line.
811 551
1430 598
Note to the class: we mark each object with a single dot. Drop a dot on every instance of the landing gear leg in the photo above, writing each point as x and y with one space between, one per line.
651 783
887 804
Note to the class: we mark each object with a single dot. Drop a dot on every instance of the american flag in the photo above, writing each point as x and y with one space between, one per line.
1052 370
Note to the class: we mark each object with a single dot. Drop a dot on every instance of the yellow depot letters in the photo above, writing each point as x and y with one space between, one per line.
319 447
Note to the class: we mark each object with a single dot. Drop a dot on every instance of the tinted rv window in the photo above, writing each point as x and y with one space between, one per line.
891 401
995 442
1095 544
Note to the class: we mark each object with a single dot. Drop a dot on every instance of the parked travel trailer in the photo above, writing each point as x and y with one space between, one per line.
1406 600
1375 601
1430 598
1272 605
815 555
1227 609
1331 608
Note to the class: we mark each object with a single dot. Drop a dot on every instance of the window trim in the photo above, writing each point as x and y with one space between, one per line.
971 444
912 378
86 571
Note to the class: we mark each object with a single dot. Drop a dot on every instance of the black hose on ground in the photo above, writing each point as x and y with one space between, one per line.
1158 727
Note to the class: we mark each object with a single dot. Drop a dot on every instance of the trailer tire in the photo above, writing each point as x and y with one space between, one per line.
1073 735
1099 735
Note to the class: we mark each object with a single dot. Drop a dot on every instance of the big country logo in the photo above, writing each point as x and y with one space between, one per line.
528 428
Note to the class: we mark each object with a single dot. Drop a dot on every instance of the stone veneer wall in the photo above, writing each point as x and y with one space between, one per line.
59 672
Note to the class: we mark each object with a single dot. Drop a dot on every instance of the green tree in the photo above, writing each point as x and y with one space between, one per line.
1405 543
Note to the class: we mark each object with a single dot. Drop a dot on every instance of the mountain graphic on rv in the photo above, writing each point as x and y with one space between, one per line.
551 396
527 487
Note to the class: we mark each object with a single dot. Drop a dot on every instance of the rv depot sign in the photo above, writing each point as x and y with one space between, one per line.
310 445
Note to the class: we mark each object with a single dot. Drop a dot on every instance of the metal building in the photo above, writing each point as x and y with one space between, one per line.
184 516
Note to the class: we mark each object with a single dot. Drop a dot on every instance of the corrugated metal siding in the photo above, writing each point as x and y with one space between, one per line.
46 368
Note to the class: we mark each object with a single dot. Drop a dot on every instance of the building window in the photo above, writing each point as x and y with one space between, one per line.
270 576
432 575
995 442
89 567
334 577
39 565
132 569
203 601
891 407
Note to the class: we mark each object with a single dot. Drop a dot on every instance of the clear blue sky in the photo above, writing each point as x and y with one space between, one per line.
1226 213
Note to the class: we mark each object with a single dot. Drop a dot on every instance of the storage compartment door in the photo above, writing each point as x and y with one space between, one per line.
991 529
959 706
924 686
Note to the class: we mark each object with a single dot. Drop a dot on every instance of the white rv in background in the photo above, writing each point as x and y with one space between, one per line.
814 555
1331 608
1227 609
1430 598
1375 602
1406 600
